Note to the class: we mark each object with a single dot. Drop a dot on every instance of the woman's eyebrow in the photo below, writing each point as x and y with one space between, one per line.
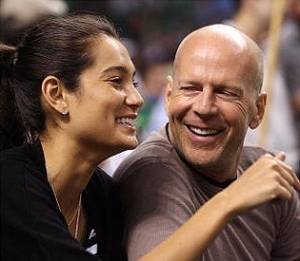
120 69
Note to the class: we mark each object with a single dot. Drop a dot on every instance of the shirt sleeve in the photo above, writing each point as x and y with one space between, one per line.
157 201
287 245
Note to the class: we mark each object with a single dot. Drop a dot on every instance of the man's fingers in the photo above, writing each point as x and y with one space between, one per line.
295 182
281 156
287 172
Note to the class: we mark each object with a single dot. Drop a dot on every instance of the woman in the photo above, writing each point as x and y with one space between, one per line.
75 91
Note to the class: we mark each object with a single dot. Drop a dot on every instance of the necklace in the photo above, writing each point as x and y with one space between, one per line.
78 217
76 214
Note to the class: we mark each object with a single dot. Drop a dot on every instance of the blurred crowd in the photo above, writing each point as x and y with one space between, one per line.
151 31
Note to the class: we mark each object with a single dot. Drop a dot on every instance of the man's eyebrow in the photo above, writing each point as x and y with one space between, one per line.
189 82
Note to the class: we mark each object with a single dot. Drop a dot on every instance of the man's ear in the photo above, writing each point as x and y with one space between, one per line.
261 103
168 92
53 94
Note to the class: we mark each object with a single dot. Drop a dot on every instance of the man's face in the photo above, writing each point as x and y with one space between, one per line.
210 104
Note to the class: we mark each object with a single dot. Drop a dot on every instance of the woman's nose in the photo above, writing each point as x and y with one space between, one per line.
134 98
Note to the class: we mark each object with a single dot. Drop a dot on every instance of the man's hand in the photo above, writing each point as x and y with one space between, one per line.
269 179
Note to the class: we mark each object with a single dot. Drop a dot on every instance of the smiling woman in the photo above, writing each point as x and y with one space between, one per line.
75 90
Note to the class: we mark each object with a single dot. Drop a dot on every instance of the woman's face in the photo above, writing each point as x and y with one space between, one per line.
103 110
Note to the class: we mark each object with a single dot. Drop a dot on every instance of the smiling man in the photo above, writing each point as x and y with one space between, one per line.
212 98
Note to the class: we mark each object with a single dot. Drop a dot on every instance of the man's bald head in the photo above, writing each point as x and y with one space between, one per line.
223 40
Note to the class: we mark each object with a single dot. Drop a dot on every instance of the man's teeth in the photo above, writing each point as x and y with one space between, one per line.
127 121
204 131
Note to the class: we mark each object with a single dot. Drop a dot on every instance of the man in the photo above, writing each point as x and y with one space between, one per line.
211 100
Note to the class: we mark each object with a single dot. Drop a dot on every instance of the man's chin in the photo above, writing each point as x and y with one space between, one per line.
203 157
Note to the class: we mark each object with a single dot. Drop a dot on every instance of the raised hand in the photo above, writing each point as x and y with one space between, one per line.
269 179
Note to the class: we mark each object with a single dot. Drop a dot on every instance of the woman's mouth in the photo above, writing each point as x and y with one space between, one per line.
125 121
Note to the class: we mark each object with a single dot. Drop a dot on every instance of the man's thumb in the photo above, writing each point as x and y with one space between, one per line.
281 156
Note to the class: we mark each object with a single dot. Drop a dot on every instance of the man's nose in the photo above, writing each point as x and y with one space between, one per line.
205 103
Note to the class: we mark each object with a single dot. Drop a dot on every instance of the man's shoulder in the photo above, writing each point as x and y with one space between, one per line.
156 145
249 155
155 150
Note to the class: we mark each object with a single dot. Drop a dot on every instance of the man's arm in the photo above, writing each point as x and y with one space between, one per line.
157 200
268 179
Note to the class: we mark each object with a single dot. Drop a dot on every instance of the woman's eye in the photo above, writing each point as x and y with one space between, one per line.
135 84
116 82
120 83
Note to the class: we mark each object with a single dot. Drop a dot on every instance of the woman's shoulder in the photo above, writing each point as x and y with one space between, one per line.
102 177
102 185
23 163
14 158
13 152
23 153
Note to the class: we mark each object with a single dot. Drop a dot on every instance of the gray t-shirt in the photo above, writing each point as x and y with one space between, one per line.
160 193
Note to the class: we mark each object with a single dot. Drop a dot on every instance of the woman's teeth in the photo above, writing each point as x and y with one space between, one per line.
127 121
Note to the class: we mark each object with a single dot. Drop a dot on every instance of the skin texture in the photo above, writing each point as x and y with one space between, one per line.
211 102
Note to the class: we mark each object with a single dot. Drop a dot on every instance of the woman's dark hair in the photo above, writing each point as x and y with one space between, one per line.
11 129
58 46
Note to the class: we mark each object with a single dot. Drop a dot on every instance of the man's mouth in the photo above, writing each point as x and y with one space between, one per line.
204 132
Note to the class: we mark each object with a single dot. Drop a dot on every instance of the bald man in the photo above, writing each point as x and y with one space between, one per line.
212 98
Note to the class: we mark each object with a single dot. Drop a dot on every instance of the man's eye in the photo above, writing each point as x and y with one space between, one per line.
228 94
187 88
190 89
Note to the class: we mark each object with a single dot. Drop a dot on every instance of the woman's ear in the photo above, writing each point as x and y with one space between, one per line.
168 92
261 103
53 94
